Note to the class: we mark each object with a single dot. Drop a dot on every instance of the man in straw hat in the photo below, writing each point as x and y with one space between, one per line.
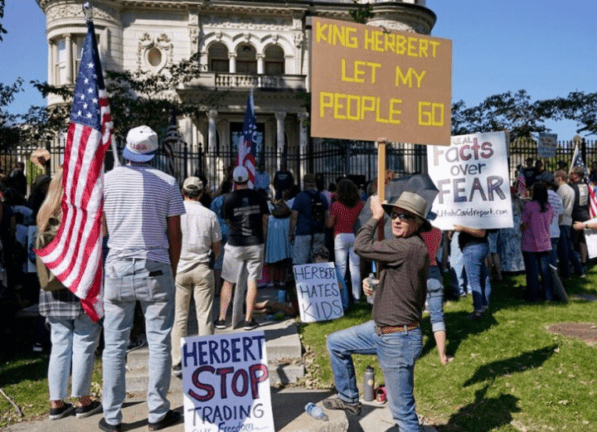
394 334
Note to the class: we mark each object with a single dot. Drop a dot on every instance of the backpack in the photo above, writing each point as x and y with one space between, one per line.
280 209
317 208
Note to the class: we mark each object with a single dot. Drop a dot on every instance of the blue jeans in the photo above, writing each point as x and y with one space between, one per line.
397 354
567 254
553 256
304 245
459 277
73 344
435 299
344 250
535 263
477 274
128 281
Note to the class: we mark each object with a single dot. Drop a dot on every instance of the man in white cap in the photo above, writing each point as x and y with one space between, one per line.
394 334
246 212
201 236
142 208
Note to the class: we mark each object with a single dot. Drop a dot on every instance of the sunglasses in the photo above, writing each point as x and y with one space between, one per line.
402 216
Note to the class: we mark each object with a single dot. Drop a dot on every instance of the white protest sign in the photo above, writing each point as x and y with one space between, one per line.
472 178
318 292
591 240
547 145
226 383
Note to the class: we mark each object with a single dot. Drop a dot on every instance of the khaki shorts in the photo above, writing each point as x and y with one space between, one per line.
238 257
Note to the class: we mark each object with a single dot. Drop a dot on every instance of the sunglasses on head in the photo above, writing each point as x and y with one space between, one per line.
402 216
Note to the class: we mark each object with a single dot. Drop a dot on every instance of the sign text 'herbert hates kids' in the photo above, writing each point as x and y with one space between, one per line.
370 82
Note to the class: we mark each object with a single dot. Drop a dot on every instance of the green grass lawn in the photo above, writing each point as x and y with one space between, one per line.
509 372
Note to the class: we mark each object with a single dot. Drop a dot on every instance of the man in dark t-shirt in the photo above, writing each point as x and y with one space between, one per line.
282 180
246 213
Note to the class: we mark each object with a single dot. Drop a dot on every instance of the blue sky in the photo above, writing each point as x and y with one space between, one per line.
547 47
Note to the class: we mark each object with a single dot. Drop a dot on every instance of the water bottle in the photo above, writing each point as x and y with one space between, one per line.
369 384
373 284
315 412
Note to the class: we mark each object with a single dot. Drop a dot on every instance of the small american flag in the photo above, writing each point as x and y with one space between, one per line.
246 149
75 254
577 161
170 141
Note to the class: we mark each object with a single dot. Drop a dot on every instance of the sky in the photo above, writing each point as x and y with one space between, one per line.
546 47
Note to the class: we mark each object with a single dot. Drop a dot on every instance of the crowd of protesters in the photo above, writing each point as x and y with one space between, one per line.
262 233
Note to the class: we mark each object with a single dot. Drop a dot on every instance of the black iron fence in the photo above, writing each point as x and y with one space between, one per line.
329 159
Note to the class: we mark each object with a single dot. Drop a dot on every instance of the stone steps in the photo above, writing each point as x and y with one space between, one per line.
283 347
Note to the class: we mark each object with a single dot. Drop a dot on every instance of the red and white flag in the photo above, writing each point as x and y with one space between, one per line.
75 254
246 146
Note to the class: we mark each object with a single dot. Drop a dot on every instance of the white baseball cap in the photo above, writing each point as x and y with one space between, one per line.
141 144
240 175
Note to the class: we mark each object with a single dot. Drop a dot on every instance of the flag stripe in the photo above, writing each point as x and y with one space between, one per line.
75 254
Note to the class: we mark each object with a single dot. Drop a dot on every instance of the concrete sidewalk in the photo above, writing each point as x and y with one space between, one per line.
288 406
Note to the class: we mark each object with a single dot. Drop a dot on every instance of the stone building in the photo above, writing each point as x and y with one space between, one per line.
242 44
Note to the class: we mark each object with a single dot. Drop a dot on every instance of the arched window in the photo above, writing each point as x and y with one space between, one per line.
218 58
274 60
246 59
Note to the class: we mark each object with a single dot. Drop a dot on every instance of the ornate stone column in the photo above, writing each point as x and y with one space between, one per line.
69 58
212 114
211 158
280 116
303 142
51 61
232 58
260 63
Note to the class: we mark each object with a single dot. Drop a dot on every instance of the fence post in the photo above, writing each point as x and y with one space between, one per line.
48 166
583 150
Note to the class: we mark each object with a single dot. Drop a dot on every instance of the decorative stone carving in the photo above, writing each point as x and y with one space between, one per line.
247 23
163 42
219 35
76 11
246 36
298 39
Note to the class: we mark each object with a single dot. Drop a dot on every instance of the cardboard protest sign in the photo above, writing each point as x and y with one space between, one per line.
226 383
547 145
472 178
318 292
370 82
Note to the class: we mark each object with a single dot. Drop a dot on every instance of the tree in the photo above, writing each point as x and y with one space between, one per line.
2 29
516 113
9 131
136 98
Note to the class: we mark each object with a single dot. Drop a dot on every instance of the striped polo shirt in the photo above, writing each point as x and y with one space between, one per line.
138 199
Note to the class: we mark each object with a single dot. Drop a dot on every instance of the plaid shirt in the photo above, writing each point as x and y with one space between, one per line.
59 304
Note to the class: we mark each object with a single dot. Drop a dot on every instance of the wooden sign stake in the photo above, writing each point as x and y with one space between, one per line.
381 180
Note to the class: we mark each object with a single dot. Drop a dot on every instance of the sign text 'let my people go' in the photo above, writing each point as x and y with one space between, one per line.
369 82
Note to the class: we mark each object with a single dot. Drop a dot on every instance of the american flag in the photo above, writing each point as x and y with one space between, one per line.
521 182
246 149
75 254
577 161
172 138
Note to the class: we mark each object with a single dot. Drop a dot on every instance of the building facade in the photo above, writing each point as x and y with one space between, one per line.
242 44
